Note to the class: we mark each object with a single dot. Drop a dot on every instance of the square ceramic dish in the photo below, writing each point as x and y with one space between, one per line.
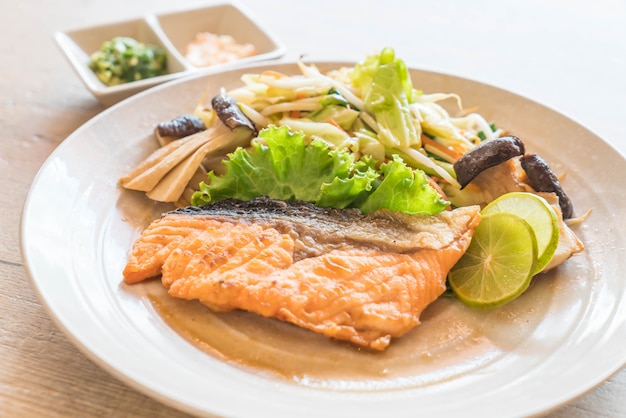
172 32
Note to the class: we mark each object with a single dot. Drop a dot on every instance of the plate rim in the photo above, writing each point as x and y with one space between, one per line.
150 391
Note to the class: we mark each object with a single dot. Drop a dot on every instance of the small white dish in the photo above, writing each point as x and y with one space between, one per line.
171 31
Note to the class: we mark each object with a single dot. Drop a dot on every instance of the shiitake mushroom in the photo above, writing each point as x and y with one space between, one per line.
487 154
180 126
229 113
496 151
541 178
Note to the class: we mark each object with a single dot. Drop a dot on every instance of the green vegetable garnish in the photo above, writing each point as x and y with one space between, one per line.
282 165
385 83
123 59
405 190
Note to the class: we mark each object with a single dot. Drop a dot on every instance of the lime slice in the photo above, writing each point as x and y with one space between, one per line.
498 264
539 214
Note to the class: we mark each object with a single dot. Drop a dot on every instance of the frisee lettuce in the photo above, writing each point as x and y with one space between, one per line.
282 165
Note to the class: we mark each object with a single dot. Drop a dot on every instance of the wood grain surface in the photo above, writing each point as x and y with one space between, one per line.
569 55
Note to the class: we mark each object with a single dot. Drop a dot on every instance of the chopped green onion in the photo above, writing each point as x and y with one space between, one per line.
123 59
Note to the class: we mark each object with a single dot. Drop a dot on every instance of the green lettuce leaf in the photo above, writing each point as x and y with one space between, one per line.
404 190
385 83
350 185
282 165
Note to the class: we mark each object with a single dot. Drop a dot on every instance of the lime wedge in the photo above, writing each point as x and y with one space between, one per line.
539 214
498 264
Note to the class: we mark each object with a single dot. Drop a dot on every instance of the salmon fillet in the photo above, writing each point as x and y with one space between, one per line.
348 276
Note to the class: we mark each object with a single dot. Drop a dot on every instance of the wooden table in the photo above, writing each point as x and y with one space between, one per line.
569 55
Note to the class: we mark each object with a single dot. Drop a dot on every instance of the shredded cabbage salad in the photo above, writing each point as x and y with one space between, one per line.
361 136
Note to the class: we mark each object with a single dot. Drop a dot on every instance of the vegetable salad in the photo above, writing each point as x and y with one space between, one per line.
360 137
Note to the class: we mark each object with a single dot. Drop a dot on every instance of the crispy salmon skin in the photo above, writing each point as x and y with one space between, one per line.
359 278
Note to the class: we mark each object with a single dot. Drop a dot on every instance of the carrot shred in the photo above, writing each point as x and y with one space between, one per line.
335 124
446 150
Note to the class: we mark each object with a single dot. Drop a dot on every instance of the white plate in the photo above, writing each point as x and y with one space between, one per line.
563 337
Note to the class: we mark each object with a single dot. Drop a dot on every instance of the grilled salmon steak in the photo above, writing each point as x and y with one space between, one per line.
359 278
